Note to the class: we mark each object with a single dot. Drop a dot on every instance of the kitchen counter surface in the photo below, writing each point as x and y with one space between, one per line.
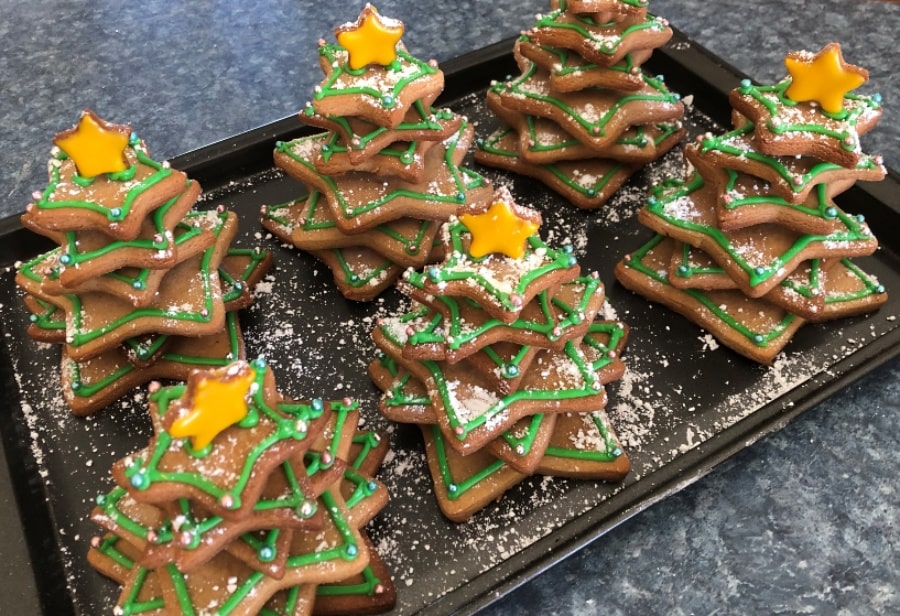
804 521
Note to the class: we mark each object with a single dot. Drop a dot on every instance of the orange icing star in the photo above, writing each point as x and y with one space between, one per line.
371 40
216 399
499 229
95 146
824 78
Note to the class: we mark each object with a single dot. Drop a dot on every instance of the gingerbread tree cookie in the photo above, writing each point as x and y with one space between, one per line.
750 242
140 286
500 360
387 170
583 117
245 502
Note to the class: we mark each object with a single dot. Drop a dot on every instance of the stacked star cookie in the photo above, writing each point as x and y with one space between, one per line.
245 502
387 170
140 286
750 242
583 117
500 361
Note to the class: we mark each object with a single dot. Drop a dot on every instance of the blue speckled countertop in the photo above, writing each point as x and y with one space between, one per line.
804 521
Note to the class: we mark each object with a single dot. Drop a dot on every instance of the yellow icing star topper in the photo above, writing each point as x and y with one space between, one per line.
95 146
504 228
216 399
371 40
823 78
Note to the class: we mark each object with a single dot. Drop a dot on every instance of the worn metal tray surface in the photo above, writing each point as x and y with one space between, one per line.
684 405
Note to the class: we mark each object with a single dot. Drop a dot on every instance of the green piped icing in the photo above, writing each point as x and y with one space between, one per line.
638 140
119 212
464 179
774 99
367 441
824 209
291 599
870 287
359 277
71 255
760 339
315 200
192 530
686 270
428 121
454 332
407 155
727 144
674 189
367 587
491 146
131 605
346 550
539 260
443 389
363 487
317 462
78 336
610 452
183 232
290 422
48 319
639 4
397 396
146 347
455 489
586 27
589 124
388 98
562 68
808 288
233 288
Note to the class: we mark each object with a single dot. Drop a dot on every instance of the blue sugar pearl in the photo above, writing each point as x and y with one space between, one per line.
266 553
758 338
65 259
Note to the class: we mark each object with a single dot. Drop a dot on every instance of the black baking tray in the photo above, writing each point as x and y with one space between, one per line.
682 408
